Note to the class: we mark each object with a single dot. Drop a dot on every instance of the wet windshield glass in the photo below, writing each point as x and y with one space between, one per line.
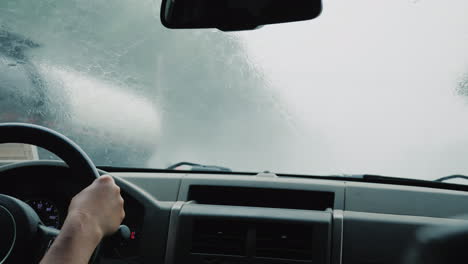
369 87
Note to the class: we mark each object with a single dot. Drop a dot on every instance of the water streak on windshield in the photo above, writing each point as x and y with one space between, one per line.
368 87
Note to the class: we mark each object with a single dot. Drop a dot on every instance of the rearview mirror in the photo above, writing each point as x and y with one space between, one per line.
230 15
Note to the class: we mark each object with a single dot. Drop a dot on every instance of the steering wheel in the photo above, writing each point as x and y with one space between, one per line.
21 230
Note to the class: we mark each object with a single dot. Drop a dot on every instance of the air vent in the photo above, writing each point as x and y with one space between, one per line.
219 237
261 197
285 241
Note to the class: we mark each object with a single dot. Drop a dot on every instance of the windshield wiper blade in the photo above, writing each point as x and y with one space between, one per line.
198 167
439 183
450 177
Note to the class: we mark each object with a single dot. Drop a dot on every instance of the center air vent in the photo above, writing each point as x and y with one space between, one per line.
261 197
219 237
292 241
254 235
285 241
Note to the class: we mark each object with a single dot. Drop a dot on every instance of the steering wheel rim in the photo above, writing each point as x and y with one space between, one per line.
46 138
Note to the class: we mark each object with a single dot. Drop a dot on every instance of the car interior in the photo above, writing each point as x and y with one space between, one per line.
225 217
202 214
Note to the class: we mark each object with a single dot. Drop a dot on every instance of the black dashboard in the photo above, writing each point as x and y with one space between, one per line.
239 218
201 218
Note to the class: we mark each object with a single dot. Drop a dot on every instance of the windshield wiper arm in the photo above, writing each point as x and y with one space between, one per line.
198 167
450 177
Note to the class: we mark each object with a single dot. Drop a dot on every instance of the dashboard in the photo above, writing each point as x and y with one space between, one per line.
266 219
221 218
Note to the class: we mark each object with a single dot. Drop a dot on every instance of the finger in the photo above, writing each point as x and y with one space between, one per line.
107 179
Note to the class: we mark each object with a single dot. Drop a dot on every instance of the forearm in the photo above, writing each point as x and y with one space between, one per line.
76 242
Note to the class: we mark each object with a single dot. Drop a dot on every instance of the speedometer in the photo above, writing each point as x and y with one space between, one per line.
47 211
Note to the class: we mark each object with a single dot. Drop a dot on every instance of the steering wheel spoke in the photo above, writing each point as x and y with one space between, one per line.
47 236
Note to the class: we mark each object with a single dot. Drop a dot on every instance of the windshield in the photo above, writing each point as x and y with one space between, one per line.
378 87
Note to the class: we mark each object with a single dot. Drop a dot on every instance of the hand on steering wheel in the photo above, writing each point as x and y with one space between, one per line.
101 204
95 212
